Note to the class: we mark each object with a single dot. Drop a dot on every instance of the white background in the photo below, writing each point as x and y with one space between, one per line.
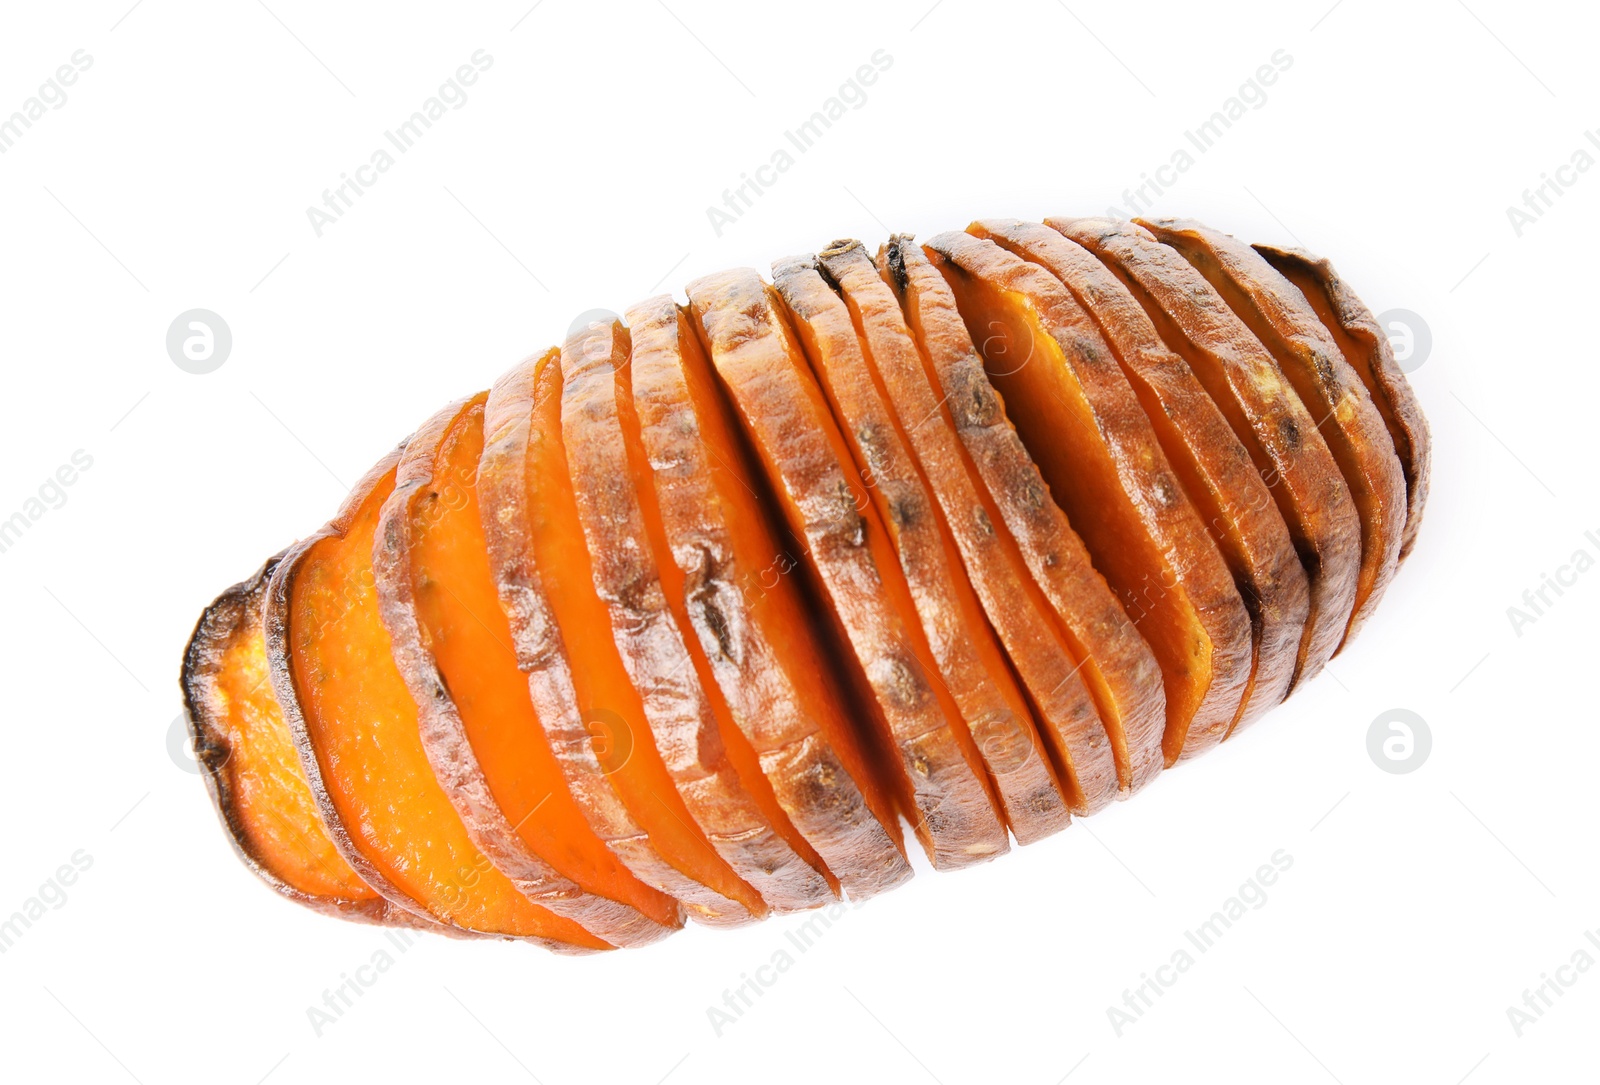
177 175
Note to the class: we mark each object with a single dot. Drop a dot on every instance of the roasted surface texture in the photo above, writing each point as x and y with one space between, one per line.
684 618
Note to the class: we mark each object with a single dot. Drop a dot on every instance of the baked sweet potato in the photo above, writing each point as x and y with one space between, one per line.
1213 467
1264 410
1078 416
356 728
1283 320
936 522
1095 679
742 588
938 778
452 644
561 630
681 620
1366 347
683 708
251 767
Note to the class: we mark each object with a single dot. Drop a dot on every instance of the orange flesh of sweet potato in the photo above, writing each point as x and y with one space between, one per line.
358 734
974 666
734 576
1306 353
759 362
1076 412
1102 659
1214 468
896 514
688 720
485 741
252 768
535 544
1266 413
1366 347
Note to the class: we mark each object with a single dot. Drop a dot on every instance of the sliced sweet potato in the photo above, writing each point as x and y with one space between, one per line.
356 728
1282 318
1212 465
904 542
934 520
1108 704
561 630
1264 410
1081 420
752 622
452 644
251 767
683 707
782 410
1366 347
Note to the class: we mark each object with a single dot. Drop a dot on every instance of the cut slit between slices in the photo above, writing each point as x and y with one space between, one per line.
908 561
758 360
1212 465
1367 348
710 761
997 710
356 727
1104 691
746 602
247 756
1264 410
1077 414
1282 319
452 643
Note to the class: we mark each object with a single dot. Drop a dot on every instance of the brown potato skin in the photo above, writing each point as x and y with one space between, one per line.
229 616
1109 751
911 565
1130 499
1262 407
1281 317
444 735
503 479
1214 467
758 358
758 636
975 666
654 649
1366 347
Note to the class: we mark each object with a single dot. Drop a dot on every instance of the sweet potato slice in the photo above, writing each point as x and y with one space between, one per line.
251 767
452 644
1281 317
1264 410
702 748
1081 420
904 541
356 728
753 624
913 720
959 574
561 630
1366 347
1102 661
1214 468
